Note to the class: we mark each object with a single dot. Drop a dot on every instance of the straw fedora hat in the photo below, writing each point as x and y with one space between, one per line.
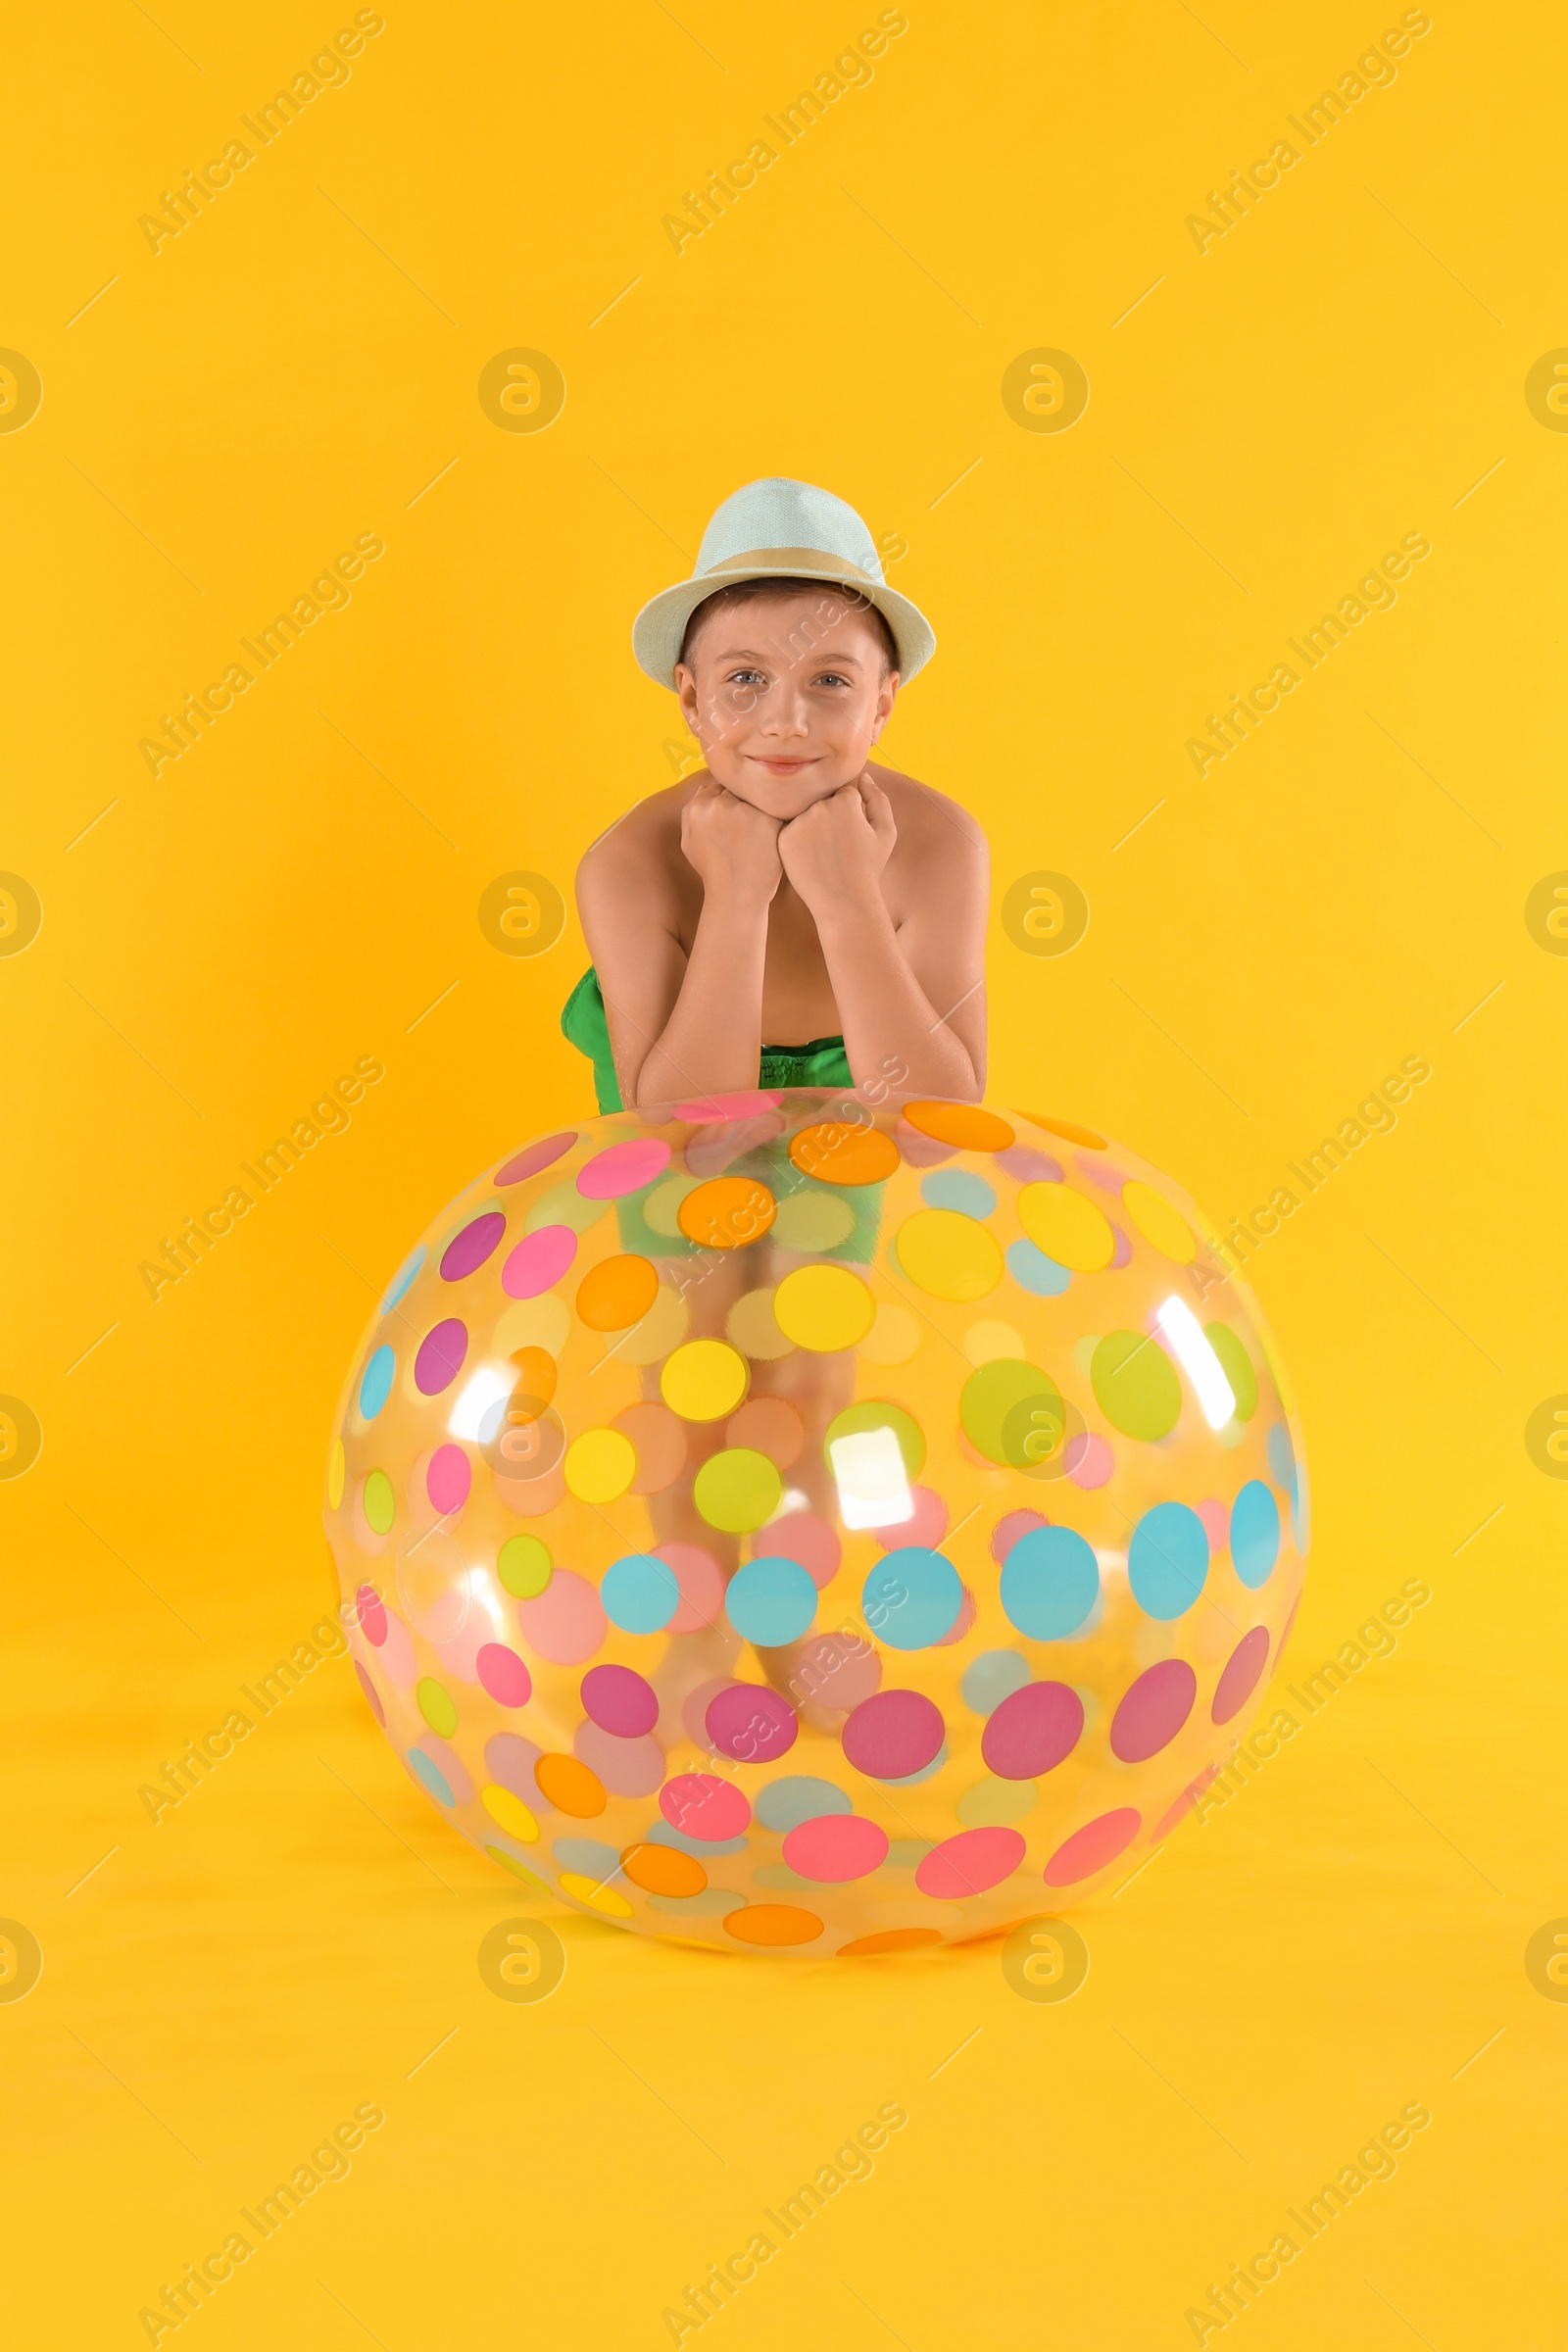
780 530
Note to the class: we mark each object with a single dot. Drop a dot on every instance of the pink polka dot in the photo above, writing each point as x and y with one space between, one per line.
450 1765
1124 1248
539 1260
623 1168
835 1670
504 1675
628 1767
1032 1731
749 1722
510 1761
702 1586
1240 1680
440 1356
397 1653
699 1805
726 1107
1089 1460
372 1615
619 1700
960 1624
1005 1535
1184 1804
804 1538
693 1711
836 1846
712 1148
1090 1848
448 1478
566 1623
459 1657
928 1526
1027 1166
1216 1520
471 1248
534 1156
372 1693
921 1150
893 1734
1152 1711
1101 1173
969 1863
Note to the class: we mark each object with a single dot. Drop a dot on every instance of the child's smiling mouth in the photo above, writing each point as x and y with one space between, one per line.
784 767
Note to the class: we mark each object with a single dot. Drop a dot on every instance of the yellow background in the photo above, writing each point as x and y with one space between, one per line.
294 369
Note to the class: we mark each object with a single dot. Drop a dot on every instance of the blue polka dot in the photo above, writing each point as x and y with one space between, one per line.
770 1601
590 1855
784 1804
1167 1560
435 1780
376 1382
702 1848
961 1189
993 1677
912 1598
1032 1270
403 1277
1049 1583
639 1592
911 1778
1281 1460
1255 1533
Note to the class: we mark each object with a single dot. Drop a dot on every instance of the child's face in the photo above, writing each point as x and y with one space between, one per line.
786 695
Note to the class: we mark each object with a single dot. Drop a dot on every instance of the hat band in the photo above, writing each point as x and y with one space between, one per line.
786 560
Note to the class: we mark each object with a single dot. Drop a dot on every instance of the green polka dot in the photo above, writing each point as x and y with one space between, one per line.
1136 1386
1011 1411
523 1565
510 1862
379 1503
436 1707
813 1219
737 1489
1236 1366
662 1204
877 1413
564 1205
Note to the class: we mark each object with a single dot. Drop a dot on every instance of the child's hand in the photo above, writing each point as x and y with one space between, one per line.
835 850
733 846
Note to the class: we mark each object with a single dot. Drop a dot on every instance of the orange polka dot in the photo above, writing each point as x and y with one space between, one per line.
617 1292
837 1153
892 1940
773 1923
658 1441
663 1869
726 1212
536 1384
769 1425
1065 1127
962 1124
569 1785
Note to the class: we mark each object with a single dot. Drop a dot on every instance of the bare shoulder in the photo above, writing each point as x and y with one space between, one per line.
643 847
928 821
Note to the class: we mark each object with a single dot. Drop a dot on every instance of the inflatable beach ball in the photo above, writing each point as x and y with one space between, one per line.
799 1529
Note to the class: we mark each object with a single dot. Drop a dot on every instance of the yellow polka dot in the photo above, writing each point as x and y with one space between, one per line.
1160 1222
737 1489
992 1803
983 1342
498 1853
543 1322
335 1467
663 1328
1276 1364
752 1328
564 1205
948 1255
589 1890
892 1337
379 1505
824 1308
509 1812
1066 1226
705 1380
599 1465
814 1221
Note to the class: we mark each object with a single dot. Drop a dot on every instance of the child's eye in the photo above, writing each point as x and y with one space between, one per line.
745 677
832 677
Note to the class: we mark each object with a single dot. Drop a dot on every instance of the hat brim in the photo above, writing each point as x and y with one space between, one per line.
658 630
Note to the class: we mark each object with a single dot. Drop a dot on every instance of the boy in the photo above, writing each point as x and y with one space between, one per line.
790 890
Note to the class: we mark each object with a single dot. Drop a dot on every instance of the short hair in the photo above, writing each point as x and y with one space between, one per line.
751 592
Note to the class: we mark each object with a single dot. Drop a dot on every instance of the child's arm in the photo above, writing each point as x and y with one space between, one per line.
911 995
684 1024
